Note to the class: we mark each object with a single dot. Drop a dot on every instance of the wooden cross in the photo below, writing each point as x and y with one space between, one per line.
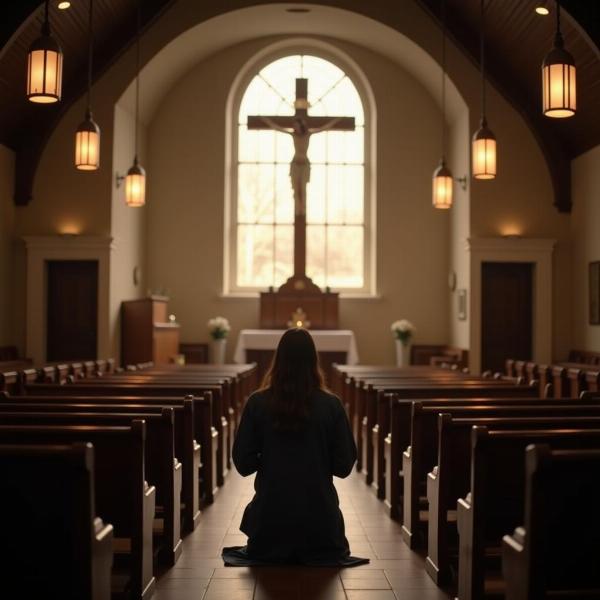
300 126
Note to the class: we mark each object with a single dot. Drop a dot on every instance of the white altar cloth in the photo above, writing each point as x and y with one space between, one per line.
334 340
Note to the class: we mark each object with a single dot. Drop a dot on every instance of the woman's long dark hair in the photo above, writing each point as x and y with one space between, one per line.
293 379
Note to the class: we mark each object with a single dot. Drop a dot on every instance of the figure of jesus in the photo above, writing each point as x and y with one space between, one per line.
300 165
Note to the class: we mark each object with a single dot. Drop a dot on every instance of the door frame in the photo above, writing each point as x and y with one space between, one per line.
63 247
538 251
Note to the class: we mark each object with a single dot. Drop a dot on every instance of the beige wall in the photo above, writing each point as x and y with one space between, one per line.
186 208
460 224
128 227
586 245
7 218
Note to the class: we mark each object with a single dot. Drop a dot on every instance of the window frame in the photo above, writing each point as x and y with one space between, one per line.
251 69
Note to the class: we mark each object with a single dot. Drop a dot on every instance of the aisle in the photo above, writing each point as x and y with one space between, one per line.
394 571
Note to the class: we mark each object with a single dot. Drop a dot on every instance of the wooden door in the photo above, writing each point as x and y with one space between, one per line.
72 311
506 313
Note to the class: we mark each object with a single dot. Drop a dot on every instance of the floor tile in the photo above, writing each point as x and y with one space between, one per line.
393 572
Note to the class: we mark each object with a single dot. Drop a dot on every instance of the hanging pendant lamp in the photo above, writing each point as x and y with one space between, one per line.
442 176
87 136
135 181
44 66
483 148
442 186
559 78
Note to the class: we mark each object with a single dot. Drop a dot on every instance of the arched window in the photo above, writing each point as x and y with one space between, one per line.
337 206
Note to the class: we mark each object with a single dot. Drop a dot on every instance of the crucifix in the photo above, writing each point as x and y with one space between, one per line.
300 126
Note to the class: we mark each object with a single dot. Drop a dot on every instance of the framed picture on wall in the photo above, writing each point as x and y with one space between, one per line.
462 304
595 293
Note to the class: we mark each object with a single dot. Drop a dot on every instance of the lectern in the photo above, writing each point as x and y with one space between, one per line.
146 333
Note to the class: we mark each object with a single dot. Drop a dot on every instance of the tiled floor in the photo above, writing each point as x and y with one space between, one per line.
394 570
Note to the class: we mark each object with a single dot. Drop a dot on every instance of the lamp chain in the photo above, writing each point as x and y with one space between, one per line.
137 77
558 39
482 58
443 79
90 55
46 25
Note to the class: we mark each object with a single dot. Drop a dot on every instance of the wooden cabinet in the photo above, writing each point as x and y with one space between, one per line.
146 333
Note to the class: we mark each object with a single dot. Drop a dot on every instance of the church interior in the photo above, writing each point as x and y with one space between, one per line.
413 182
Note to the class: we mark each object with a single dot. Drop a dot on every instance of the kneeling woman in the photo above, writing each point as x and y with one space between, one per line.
295 436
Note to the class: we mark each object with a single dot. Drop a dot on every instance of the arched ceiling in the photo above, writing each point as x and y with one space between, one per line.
518 39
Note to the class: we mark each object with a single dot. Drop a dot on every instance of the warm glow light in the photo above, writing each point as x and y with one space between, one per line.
69 228
64 4
511 230
135 186
44 70
484 153
87 145
559 89
559 78
442 187
542 9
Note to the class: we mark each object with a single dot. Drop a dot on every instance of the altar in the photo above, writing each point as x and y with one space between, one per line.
333 346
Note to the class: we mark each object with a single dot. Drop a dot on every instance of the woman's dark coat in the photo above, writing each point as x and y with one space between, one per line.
294 515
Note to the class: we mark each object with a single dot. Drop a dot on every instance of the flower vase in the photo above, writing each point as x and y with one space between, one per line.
402 354
217 351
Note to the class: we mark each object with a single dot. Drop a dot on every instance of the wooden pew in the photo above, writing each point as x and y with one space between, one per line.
184 385
381 435
185 446
119 465
560 382
192 425
422 455
245 378
53 543
414 389
223 388
366 409
163 470
398 439
555 554
546 381
494 505
450 477
10 382
378 447
204 430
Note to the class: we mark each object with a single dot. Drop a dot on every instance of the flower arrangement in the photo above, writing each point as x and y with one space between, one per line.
403 330
218 328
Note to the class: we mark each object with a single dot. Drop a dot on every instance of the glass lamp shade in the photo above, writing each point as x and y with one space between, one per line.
442 187
559 83
484 153
135 186
87 145
44 70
